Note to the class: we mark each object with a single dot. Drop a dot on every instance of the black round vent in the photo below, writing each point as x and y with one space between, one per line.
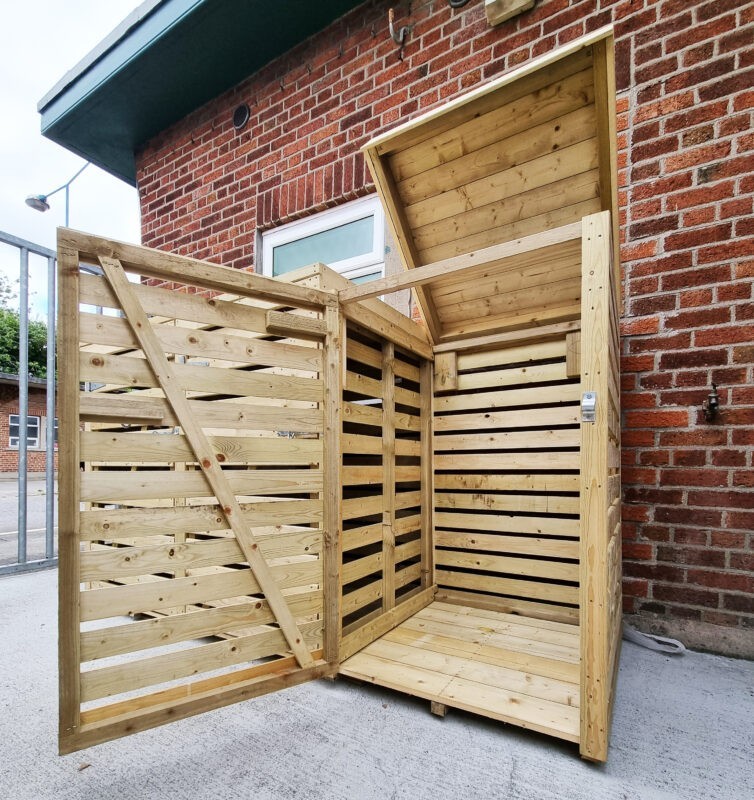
241 116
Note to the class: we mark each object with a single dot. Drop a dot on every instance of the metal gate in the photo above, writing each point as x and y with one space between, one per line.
22 558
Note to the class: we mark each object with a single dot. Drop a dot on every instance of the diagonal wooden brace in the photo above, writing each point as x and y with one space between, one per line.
200 445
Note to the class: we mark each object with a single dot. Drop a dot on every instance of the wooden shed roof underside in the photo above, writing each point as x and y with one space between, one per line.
525 154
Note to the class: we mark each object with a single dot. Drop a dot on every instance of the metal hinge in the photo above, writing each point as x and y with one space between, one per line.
588 406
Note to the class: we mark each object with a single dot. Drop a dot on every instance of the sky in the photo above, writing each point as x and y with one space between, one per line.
41 41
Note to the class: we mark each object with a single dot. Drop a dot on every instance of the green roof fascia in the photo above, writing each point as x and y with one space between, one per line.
164 61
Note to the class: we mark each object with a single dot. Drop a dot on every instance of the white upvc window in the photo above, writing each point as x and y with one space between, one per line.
350 239
33 432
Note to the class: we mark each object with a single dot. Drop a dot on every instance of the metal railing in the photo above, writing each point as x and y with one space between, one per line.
22 563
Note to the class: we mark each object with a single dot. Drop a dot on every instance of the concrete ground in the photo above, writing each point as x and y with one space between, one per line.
683 728
35 520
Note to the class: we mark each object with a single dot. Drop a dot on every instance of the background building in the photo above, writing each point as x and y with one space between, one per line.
156 104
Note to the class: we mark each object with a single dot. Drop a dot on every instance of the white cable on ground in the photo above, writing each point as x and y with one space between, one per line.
660 643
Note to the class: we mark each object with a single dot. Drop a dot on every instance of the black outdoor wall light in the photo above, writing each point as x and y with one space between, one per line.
711 405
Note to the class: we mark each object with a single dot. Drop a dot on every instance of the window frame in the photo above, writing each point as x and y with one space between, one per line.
32 442
322 221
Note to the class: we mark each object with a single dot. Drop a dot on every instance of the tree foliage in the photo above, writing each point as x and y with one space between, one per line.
9 337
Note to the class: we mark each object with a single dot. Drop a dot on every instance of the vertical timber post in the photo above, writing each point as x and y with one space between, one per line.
596 302
333 375
388 476
68 494
426 391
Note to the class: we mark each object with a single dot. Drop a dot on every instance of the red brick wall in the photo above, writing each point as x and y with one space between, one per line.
686 149
9 405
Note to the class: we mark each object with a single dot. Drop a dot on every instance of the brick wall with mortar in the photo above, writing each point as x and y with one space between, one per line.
685 73
8 406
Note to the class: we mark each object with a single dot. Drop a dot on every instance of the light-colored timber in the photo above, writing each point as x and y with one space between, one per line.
274 480
506 667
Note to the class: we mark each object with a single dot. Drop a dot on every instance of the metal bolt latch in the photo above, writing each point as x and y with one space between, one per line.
588 406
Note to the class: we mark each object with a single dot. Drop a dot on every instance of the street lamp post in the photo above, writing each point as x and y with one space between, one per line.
39 201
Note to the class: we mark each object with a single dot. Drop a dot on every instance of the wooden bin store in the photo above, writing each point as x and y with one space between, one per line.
264 482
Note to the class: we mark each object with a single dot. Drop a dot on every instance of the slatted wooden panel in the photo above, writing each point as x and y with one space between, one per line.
506 481
521 155
536 289
168 591
382 475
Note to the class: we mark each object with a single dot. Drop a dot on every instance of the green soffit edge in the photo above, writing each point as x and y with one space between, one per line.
167 59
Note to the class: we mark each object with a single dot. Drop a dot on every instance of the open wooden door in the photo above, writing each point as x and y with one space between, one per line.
600 512
198 428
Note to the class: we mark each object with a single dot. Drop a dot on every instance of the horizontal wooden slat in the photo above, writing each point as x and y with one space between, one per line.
152 447
354 507
114 680
283 323
524 215
561 648
371 415
511 483
512 354
530 418
354 444
538 315
536 629
548 395
172 592
353 476
559 202
122 370
148 633
114 486
123 522
114 720
506 281
536 301
168 267
120 562
550 592
509 440
372 356
533 107
362 536
130 408
511 605
575 125
360 384
529 568
504 461
499 543
541 171
538 373
542 526
162 303
533 503
361 567
115 331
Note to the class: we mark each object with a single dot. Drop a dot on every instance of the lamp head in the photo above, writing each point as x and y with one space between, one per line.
38 202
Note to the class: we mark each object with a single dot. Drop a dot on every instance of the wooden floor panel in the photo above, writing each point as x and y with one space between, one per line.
520 670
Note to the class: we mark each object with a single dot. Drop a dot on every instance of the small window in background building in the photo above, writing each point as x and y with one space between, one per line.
33 429
350 239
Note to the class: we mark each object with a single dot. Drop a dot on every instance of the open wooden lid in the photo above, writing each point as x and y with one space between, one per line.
528 152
